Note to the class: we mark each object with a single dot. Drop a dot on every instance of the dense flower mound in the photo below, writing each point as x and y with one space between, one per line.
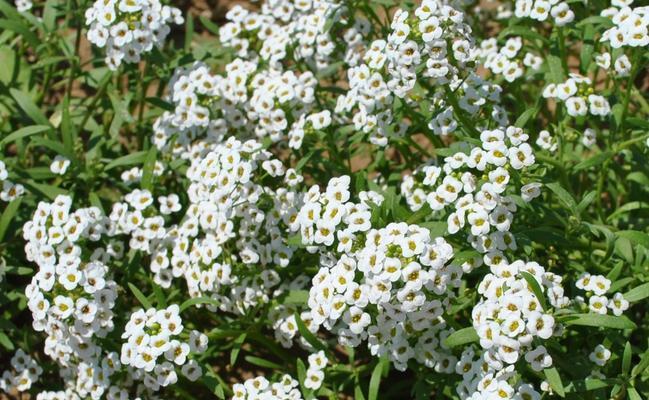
128 28
323 199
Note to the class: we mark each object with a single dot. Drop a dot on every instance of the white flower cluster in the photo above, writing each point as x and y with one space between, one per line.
70 298
631 25
315 372
509 315
72 295
260 388
389 287
24 372
546 141
302 25
577 94
129 28
541 10
596 287
10 190
247 99
430 51
474 183
480 381
326 217
154 334
506 60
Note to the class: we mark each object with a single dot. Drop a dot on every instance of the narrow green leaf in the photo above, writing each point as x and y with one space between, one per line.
26 104
6 342
147 169
307 335
593 161
129 159
24 132
236 348
633 394
260 362
536 288
637 237
637 293
553 378
626 358
599 321
7 215
462 337
198 300
375 380
563 195
140 296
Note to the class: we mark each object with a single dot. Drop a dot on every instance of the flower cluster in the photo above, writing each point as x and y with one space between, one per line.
474 183
390 287
578 96
425 52
247 99
508 60
541 10
315 372
631 25
10 190
596 287
510 315
129 28
152 336
23 373
261 388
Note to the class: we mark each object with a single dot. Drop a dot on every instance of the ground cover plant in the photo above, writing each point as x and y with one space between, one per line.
331 199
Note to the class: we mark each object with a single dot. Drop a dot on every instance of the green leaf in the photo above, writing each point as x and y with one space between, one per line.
198 300
626 208
637 293
8 215
599 321
296 297
140 296
462 337
260 362
524 118
236 348
209 25
536 288
22 29
637 237
593 161
24 132
555 69
213 383
67 127
307 335
375 380
633 394
27 105
563 195
147 169
6 342
129 159
553 378
626 359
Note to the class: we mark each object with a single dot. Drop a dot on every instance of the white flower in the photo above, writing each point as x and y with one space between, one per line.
59 165
600 355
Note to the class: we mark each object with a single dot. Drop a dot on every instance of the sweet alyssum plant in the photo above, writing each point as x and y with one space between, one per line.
324 199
